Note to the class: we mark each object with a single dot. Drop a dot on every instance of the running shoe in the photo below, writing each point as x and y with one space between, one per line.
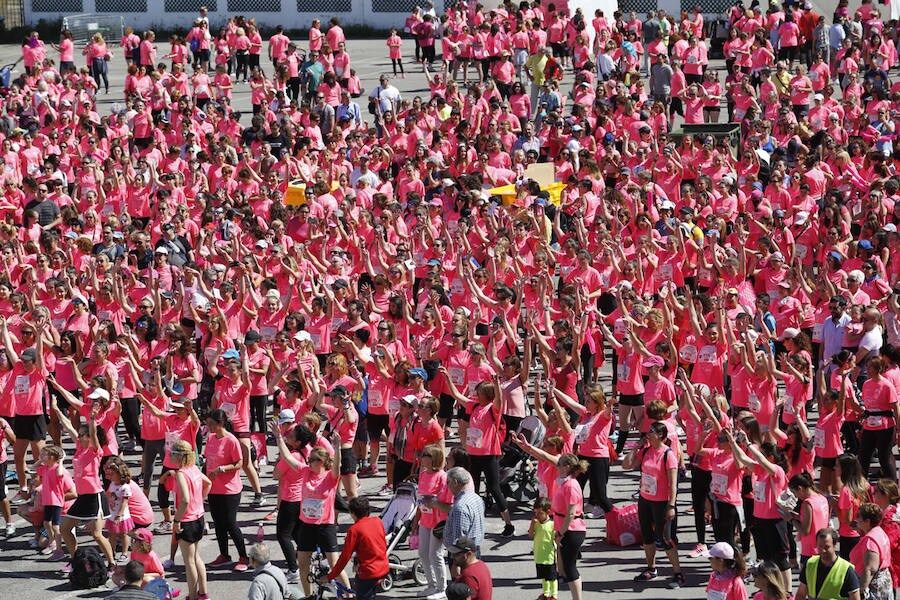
677 581
21 497
66 569
168 564
219 561
698 551
242 565
10 529
508 531
57 556
48 549
258 500
386 490
163 528
293 576
646 575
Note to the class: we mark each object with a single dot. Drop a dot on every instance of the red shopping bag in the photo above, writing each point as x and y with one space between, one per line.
623 527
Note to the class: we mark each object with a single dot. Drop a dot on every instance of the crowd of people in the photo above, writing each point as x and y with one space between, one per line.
392 287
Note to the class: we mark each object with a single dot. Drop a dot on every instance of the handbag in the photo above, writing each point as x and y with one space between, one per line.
438 531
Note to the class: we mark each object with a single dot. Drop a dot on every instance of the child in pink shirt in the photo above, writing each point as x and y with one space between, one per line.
395 48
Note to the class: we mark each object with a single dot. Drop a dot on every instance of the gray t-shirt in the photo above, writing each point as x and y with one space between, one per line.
660 79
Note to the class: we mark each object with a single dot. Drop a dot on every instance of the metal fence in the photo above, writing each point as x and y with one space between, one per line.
85 26
13 13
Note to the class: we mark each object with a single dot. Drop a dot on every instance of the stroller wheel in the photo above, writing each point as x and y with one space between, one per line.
387 583
418 572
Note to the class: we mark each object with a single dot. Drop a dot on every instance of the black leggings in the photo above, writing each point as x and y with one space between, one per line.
700 482
152 450
223 511
490 466
397 62
287 531
598 475
725 521
241 65
99 70
131 411
882 441
569 549
258 406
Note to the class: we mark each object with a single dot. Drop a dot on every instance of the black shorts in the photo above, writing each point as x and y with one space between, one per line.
654 526
191 531
348 461
89 507
362 432
771 539
53 514
204 55
30 427
631 399
311 536
377 425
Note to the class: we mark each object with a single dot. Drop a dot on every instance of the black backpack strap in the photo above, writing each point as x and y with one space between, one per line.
275 579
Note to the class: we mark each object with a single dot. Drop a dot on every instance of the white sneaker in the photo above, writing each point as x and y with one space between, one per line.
598 513
437 596
293 576
10 529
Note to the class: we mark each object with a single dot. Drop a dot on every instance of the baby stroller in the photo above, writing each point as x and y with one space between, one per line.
518 475
397 518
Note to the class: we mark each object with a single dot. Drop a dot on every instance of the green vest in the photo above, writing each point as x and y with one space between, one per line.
831 587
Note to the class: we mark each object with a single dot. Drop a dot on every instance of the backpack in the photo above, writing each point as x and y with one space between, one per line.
89 569
159 588
195 45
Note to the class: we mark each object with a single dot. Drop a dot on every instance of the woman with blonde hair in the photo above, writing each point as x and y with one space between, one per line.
98 55
432 484
190 486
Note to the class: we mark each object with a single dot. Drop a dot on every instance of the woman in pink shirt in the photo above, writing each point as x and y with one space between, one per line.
812 514
223 464
318 484
567 504
191 486
294 447
91 504
656 504
871 557
432 483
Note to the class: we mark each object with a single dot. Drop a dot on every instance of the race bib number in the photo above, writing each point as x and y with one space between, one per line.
103 315
120 384
267 333
789 407
817 332
457 375
58 323
210 354
664 272
716 595
801 251
474 436
704 274
22 385
456 287
754 404
707 355
759 491
875 422
313 508
688 354
375 399
622 371
419 258
171 438
719 485
820 438
229 408
648 484
581 433
316 340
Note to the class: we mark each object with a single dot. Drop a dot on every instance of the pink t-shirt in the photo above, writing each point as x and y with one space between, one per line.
820 515
194 479
151 561
54 485
846 500
433 483
234 398
139 505
317 506
628 372
290 487
876 541
482 436
655 467
878 396
27 389
86 470
566 494
766 488
224 451
592 435
726 476
828 435
153 427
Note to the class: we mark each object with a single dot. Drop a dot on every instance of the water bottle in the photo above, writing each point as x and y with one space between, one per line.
260 534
